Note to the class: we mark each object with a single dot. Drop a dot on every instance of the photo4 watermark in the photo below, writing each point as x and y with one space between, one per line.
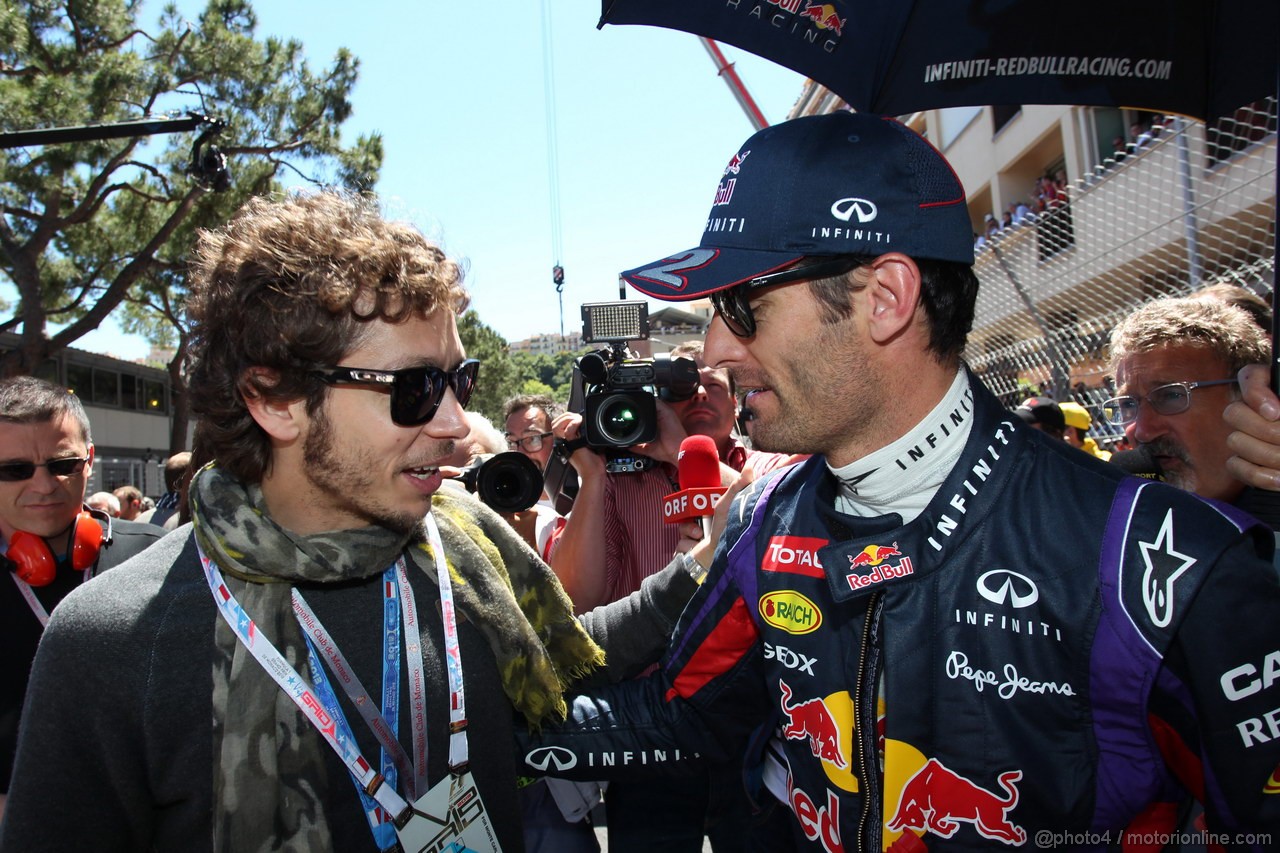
1048 839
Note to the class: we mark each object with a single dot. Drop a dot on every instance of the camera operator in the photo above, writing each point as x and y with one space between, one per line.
614 538
528 425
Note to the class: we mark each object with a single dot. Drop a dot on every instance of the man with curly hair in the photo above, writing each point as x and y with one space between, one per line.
232 689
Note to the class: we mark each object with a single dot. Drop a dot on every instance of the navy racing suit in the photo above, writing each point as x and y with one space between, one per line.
1050 652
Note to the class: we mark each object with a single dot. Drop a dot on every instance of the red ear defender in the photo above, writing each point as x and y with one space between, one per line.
32 559
34 563
86 541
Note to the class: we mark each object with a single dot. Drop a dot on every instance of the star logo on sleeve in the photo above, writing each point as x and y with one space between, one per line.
1164 565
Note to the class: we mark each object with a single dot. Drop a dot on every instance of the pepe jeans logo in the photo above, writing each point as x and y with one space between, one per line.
1002 586
845 208
556 757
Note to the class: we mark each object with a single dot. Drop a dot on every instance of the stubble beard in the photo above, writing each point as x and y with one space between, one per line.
350 475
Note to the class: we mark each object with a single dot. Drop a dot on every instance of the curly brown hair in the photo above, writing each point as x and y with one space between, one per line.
290 285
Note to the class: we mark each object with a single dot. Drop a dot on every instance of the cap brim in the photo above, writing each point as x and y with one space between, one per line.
698 272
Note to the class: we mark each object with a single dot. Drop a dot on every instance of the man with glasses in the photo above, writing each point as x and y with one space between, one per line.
917 642
1175 361
49 542
334 637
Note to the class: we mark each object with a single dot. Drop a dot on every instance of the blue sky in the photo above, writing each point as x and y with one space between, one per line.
644 128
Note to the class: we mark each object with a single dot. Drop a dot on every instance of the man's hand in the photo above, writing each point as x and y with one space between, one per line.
1256 440
703 548
671 433
585 460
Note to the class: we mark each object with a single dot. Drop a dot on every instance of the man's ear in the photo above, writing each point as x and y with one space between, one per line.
893 294
280 419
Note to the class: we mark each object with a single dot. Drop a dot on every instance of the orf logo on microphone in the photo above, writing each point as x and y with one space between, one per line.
1002 586
553 757
845 208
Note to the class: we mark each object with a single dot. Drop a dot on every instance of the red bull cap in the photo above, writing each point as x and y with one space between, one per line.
837 184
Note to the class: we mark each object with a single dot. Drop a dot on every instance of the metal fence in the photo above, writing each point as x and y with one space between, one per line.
1192 206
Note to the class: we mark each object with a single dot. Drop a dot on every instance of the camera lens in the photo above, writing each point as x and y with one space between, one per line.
509 482
619 421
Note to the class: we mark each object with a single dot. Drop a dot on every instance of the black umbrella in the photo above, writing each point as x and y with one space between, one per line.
892 57
1197 58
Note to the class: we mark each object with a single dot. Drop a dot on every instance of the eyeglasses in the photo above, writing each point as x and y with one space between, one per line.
416 392
1171 399
530 443
734 306
16 472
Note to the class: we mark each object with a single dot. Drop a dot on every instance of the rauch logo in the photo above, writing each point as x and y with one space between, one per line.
790 611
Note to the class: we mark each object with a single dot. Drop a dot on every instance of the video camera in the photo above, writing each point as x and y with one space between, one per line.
505 482
615 392
618 407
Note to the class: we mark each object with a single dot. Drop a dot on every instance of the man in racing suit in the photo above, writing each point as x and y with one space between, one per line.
927 648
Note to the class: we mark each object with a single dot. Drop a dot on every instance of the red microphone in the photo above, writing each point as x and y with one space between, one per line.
700 486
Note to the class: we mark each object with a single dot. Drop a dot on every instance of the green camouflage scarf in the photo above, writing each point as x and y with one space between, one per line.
269 763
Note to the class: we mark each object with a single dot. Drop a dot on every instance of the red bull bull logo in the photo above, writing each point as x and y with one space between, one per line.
937 799
735 165
824 17
812 720
875 557
1272 785
790 611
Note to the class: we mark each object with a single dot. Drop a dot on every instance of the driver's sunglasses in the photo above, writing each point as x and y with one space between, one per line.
733 304
416 392
17 472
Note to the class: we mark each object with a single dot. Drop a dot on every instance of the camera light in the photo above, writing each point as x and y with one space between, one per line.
614 322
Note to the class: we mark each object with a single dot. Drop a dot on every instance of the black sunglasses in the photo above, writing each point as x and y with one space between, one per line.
16 472
416 392
734 306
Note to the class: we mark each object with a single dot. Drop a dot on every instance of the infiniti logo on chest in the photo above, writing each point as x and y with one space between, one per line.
1002 586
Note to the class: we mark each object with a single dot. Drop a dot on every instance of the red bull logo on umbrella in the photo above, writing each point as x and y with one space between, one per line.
937 799
824 17
875 557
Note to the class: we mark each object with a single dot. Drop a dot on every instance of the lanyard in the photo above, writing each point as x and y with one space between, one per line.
29 595
332 724
269 657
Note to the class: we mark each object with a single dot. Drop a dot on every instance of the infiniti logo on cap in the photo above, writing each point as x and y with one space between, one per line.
1001 585
845 208
552 756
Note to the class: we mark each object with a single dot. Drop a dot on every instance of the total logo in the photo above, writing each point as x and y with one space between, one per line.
825 724
1002 586
936 799
797 555
790 611
846 208
876 558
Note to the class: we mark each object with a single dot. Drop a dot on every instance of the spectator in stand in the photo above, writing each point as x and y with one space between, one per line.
1119 151
1141 134
130 498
